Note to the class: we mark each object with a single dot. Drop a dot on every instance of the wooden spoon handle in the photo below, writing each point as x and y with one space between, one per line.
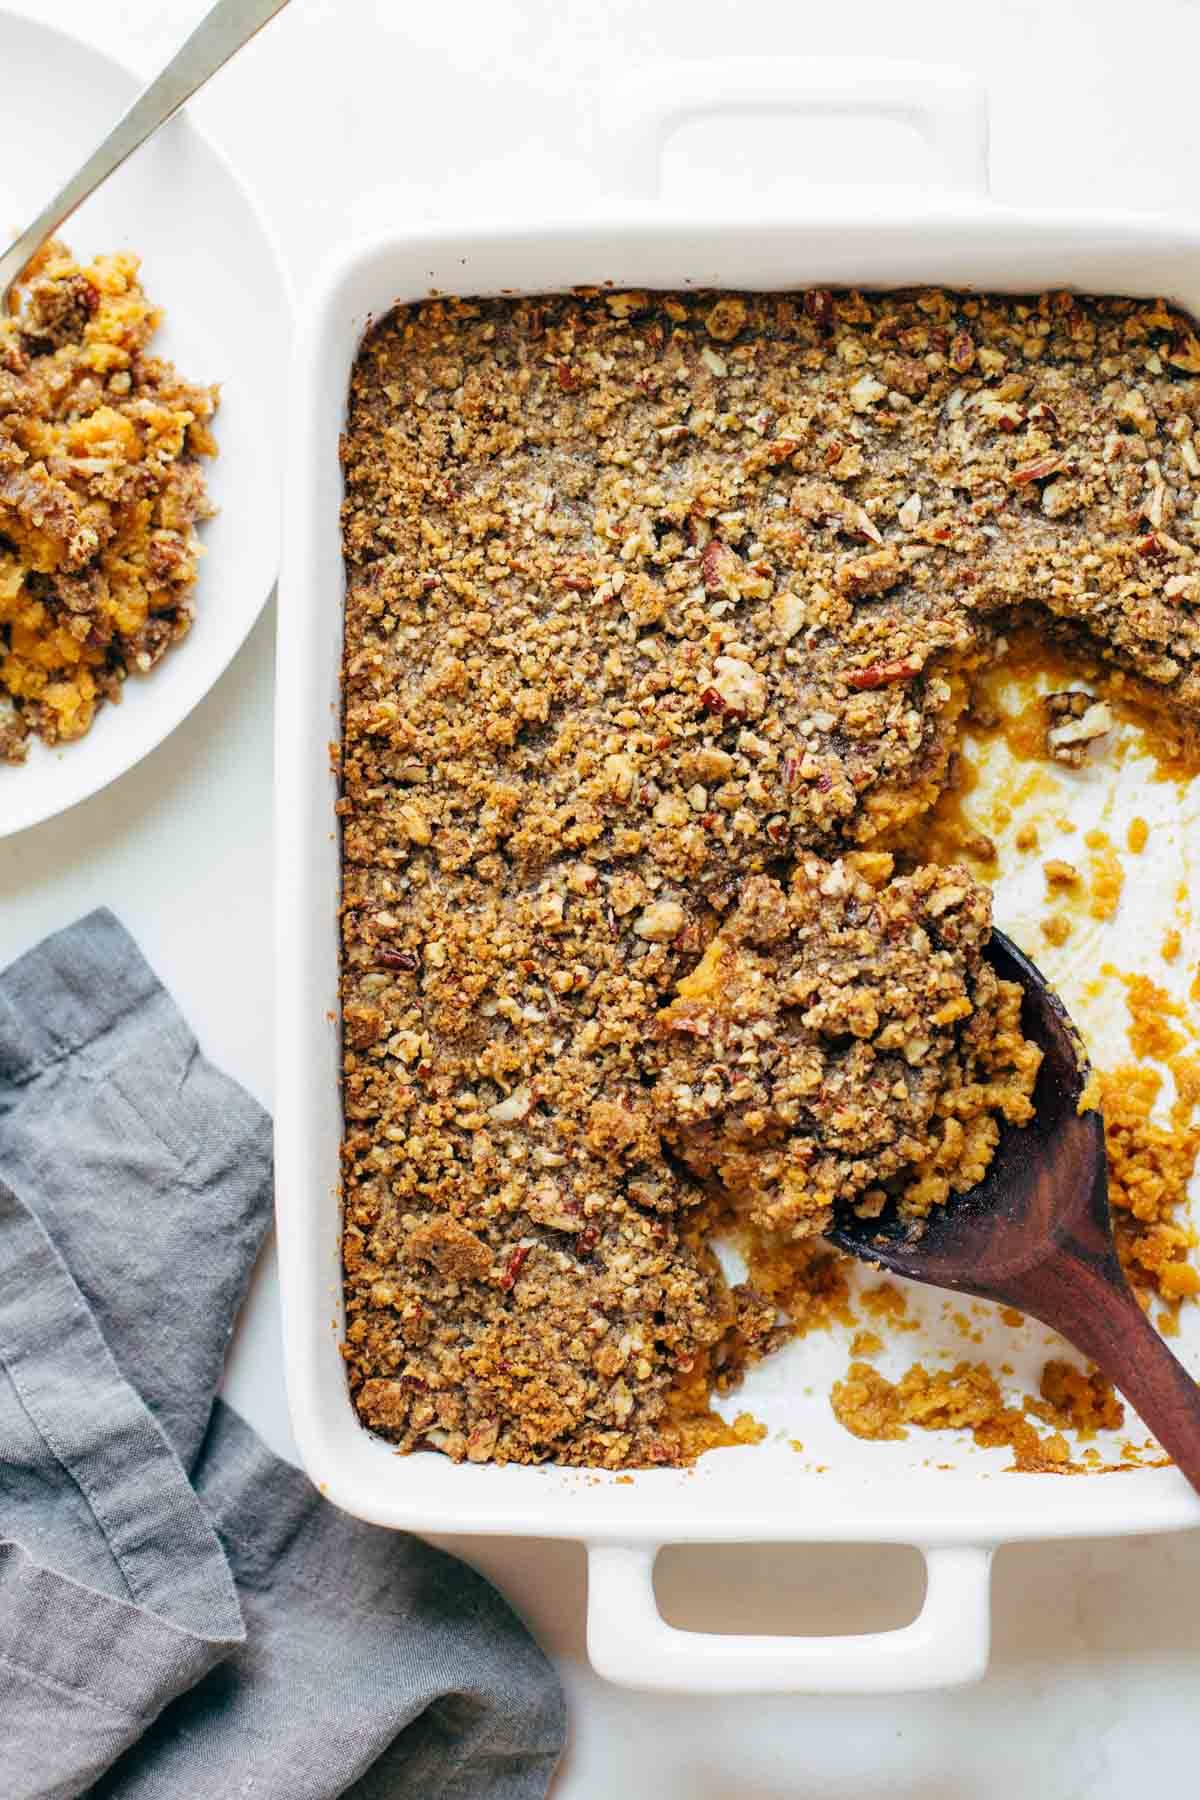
1088 1300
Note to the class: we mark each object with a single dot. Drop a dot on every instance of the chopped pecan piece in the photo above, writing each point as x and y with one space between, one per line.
876 675
1076 722
872 574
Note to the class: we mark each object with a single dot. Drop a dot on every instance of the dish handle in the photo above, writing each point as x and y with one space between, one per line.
946 106
630 1643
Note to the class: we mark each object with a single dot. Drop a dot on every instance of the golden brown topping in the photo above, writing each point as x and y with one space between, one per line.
652 600
843 1043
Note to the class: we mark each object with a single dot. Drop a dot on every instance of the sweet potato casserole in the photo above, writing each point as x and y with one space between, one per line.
101 487
664 613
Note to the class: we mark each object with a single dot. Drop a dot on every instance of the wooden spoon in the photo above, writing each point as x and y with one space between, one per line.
1036 1233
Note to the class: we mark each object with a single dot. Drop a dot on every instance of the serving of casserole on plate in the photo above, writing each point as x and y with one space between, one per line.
672 608
101 493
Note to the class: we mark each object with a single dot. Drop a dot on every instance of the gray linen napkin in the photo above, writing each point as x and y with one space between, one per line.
181 1614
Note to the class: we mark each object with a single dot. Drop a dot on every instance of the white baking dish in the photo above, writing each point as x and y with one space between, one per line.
838 1489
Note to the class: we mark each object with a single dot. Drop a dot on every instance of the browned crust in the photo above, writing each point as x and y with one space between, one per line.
647 595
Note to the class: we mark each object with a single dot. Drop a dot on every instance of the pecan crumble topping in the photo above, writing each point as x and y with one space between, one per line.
843 1040
662 613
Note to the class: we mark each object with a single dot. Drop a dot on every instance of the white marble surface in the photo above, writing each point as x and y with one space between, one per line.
346 109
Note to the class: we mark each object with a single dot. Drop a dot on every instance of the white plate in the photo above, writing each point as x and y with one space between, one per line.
207 257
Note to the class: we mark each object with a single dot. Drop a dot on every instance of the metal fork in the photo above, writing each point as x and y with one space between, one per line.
224 30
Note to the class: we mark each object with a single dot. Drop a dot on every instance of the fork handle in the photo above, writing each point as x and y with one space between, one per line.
1086 1298
229 25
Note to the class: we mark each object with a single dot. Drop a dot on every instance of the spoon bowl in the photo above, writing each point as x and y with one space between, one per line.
1036 1232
